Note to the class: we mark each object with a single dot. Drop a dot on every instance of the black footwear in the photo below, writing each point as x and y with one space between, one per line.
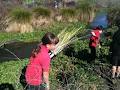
113 77
117 77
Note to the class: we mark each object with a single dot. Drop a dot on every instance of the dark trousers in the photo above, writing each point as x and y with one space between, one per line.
32 87
92 53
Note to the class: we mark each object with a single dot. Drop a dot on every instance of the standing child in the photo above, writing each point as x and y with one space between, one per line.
94 42
115 54
37 71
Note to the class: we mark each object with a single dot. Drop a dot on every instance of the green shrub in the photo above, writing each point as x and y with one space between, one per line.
39 11
63 69
20 15
67 12
68 75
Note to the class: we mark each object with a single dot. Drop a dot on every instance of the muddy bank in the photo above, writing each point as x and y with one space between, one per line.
104 70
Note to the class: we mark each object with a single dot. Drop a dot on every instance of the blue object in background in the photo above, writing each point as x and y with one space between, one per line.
100 20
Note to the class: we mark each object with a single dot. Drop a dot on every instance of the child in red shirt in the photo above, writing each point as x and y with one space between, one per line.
37 71
94 41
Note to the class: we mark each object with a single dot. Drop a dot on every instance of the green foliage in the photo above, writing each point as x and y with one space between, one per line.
20 15
63 69
39 11
69 75
84 7
11 71
86 11
68 12
28 1
114 16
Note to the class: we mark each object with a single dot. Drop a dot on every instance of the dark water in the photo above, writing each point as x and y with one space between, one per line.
20 49
100 20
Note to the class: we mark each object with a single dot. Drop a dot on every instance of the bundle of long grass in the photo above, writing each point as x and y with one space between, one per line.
66 38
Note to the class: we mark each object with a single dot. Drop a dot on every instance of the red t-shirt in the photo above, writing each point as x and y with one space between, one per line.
36 67
94 39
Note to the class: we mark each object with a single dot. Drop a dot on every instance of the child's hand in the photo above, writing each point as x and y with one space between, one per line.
99 46
45 86
52 54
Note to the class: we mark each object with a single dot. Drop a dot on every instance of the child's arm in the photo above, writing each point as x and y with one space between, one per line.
45 72
46 79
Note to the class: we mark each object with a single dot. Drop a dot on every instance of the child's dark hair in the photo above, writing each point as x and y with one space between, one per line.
48 38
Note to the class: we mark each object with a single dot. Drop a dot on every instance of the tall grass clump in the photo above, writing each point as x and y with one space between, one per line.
86 12
114 15
20 21
21 15
39 11
68 14
41 16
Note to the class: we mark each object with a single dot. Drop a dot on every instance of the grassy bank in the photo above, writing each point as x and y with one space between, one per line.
38 33
64 75
70 71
